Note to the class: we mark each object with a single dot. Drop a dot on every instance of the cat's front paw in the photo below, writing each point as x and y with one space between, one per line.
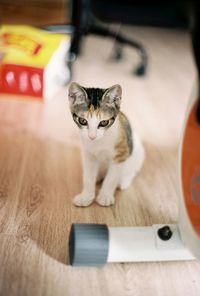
105 199
82 200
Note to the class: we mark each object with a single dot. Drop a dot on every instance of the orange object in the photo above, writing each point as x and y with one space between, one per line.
191 168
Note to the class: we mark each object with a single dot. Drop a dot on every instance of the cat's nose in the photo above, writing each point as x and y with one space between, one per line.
92 136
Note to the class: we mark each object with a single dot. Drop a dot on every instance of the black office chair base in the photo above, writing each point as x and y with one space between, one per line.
120 39
117 54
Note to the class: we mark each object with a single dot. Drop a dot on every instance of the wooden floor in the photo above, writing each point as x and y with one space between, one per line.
40 172
34 12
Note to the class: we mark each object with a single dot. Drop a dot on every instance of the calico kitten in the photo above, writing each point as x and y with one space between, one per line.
111 152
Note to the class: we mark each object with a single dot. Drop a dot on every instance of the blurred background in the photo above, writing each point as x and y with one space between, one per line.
34 12
108 19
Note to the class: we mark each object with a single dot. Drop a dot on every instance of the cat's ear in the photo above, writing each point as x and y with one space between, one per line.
113 95
77 94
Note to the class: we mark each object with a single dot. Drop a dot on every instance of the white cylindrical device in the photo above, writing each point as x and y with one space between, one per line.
96 244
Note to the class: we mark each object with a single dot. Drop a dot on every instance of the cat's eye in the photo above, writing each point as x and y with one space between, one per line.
82 121
104 123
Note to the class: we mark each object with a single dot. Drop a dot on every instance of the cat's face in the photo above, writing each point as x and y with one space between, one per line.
94 110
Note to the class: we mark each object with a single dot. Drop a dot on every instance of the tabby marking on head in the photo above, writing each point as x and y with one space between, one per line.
94 110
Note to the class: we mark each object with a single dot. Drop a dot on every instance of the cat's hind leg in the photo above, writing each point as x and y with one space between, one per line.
132 165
